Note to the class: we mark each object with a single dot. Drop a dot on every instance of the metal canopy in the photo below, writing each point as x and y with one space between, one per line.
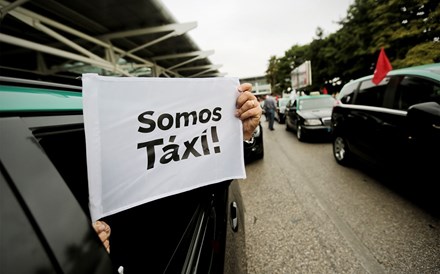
48 39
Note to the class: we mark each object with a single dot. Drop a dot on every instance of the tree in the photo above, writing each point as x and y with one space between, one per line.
408 30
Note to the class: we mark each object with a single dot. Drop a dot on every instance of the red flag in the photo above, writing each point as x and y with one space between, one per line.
383 65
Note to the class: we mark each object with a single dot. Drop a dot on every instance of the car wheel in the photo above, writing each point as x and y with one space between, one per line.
299 133
261 155
341 152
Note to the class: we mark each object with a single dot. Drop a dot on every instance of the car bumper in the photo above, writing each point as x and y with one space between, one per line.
316 130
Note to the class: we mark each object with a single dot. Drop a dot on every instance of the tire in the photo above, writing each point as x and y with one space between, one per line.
261 155
299 133
341 151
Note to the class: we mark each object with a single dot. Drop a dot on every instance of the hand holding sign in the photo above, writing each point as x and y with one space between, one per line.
248 110
148 138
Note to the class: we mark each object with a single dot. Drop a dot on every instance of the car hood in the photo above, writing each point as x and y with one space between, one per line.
315 113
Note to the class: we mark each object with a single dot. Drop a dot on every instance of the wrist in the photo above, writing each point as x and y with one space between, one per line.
250 141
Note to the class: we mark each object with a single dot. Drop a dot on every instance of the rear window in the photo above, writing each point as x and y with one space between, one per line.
370 94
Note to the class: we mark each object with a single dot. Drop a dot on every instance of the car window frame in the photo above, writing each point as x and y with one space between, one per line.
395 83
53 218
385 82
343 93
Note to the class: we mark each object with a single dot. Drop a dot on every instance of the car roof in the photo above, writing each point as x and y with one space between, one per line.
31 99
431 71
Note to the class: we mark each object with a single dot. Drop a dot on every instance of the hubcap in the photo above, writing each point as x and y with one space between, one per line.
339 148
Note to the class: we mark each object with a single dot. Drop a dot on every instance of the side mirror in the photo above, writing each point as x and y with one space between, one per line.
424 122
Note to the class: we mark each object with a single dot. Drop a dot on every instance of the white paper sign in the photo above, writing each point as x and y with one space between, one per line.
148 138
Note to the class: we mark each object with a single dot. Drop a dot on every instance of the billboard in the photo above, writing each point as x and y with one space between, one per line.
301 76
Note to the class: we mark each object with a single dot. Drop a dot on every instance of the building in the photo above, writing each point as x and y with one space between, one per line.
260 86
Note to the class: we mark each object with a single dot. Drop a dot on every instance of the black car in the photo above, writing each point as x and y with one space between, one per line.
395 124
310 116
45 220
254 150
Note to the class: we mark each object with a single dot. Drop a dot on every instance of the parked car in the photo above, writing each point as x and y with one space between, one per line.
310 115
395 124
46 224
280 114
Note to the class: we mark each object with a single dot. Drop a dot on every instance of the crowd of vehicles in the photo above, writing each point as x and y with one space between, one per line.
391 126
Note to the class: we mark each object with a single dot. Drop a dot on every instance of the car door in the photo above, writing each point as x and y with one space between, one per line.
44 229
417 132
370 121
291 114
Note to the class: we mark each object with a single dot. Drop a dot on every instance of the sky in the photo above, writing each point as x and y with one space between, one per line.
244 34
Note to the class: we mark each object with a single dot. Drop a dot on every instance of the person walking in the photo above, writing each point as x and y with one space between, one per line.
270 106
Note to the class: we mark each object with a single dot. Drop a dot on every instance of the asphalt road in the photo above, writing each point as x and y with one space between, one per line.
307 214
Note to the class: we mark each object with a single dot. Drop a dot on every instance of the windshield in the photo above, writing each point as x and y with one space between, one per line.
316 103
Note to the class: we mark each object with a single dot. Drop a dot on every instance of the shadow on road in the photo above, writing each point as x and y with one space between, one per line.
418 188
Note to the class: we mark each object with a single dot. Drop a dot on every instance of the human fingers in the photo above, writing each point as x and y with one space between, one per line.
250 120
105 241
248 105
245 94
249 113
245 87
100 226
103 230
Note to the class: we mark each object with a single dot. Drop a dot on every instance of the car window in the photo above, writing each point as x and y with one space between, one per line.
370 94
65 147
346 94
414 90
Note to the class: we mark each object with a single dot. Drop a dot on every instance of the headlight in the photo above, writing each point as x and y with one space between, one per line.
312 122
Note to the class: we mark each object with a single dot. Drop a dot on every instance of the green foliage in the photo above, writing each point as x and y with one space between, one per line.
409 31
